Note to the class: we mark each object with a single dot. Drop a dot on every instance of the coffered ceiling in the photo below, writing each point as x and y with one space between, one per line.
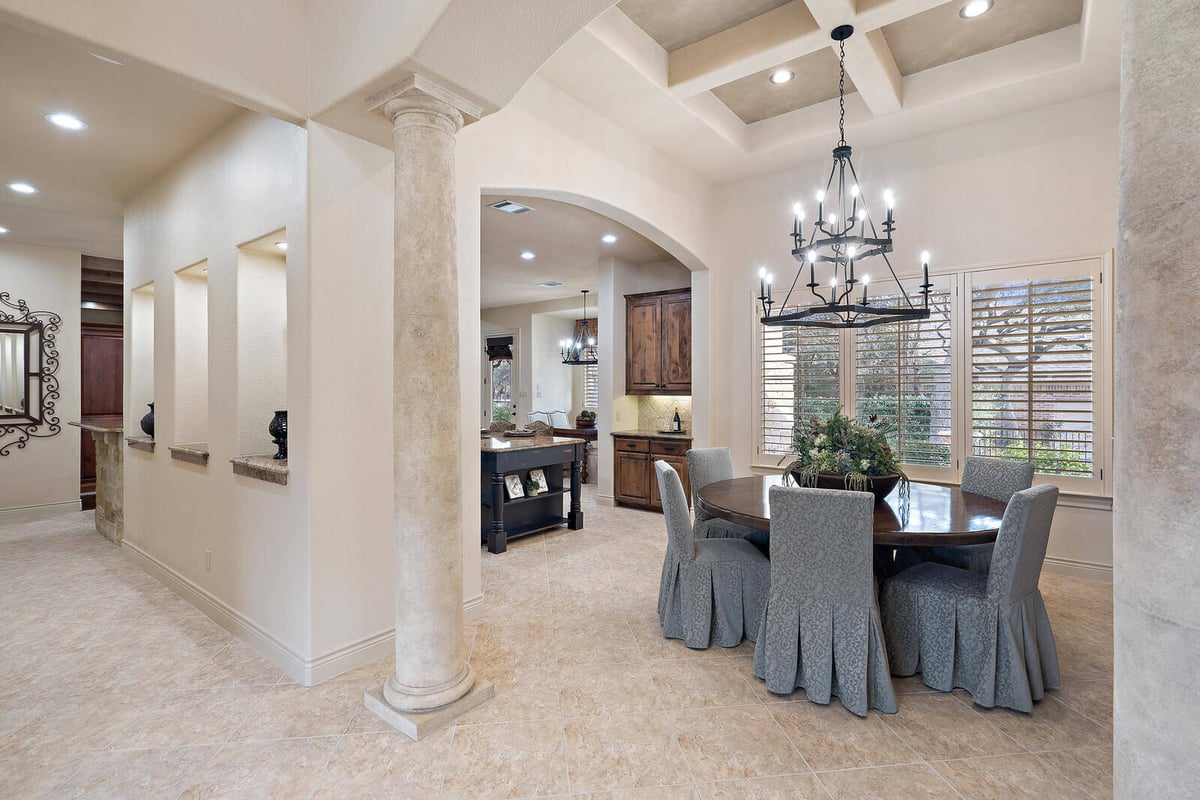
691 76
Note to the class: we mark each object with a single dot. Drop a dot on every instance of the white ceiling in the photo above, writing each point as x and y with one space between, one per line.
139 124
693 100
566 241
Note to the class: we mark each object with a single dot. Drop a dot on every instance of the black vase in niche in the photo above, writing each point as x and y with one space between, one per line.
278 431
148 422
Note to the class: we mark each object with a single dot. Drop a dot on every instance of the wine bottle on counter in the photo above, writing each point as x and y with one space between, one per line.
676 425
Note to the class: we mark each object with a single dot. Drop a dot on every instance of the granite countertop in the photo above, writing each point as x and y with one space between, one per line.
107 424
502 444
652 434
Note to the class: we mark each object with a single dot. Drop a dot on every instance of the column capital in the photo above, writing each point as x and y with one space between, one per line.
418 93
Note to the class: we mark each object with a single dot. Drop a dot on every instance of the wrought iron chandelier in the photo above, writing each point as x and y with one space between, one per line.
580 351
843 237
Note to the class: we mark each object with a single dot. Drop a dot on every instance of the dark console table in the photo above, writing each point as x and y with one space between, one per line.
503 518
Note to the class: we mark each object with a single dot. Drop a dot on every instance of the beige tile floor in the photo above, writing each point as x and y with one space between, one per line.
112 687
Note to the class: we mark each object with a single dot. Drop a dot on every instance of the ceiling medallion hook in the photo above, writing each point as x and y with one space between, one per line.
842 241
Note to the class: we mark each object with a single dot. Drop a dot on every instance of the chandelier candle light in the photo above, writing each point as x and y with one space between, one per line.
843 239
581 351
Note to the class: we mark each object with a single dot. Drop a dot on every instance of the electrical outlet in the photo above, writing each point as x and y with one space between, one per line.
208 560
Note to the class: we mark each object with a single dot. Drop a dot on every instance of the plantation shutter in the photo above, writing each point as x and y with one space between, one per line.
1033 369
903 376
591 386
799 380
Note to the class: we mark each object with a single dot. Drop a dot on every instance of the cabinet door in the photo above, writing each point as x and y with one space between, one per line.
632 478
643 348
680 466
676 315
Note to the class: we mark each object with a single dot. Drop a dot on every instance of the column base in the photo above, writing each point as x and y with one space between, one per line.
418 724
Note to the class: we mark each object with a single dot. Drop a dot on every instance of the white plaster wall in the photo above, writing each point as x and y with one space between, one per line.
350 359
190 423
1031 186
551 377
139 338
245 181
46 471
262 347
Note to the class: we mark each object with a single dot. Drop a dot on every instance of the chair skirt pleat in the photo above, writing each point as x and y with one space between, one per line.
1001 655
828 649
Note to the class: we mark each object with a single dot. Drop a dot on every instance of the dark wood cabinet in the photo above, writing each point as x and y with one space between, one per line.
635 482
101 360
658 342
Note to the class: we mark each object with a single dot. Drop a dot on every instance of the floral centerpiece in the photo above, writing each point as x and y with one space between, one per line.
840 450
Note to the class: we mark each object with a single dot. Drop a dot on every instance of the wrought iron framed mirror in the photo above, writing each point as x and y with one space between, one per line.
29 362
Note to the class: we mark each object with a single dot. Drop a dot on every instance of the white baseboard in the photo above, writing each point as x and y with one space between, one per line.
305 671
606 500
40 511
268 646
473 608
1079 569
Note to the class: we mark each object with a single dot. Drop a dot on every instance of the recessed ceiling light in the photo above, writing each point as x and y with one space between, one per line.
281 245
22 188
975 8
609 238
67 121
3 230
781 76
550 284
528 255
106 59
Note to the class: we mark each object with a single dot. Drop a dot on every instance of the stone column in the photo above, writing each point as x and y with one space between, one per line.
432 682
1156 506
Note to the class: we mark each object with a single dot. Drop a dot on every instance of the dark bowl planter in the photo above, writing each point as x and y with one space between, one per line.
881 485
585 422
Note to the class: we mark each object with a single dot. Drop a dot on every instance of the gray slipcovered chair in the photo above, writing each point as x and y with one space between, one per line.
711 590
998 479
707 465
502 425
988 634
821 629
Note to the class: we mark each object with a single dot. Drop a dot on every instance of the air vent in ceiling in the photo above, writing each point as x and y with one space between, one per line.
509 207
550 284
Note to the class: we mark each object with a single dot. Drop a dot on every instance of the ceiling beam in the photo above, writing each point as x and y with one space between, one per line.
869 62
870 65
763 42
102 264
88 287
100 276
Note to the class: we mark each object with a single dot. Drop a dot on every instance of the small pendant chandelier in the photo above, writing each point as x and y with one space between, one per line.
843 237
580 351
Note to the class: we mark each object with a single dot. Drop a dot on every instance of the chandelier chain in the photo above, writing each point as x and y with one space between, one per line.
842 92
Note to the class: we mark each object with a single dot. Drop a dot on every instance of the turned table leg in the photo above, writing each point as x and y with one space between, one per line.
497 539
575 517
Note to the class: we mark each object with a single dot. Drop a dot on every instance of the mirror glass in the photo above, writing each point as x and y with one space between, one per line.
18 376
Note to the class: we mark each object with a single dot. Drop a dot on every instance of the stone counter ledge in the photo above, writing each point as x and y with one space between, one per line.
194 453
262 468
143 443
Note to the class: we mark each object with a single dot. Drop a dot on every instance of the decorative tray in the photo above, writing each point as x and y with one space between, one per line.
518 433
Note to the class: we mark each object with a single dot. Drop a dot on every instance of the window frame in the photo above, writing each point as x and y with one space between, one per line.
961 281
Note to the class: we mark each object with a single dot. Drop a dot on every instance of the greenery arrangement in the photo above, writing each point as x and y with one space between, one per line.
587 413
843 446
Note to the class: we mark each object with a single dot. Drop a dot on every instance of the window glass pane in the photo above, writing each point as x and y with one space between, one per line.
501 389
1032 373
799 380
903 377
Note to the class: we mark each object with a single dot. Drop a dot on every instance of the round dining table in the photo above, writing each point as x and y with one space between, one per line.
927 515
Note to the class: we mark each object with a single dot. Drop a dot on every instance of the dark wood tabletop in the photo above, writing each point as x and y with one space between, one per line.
930 514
